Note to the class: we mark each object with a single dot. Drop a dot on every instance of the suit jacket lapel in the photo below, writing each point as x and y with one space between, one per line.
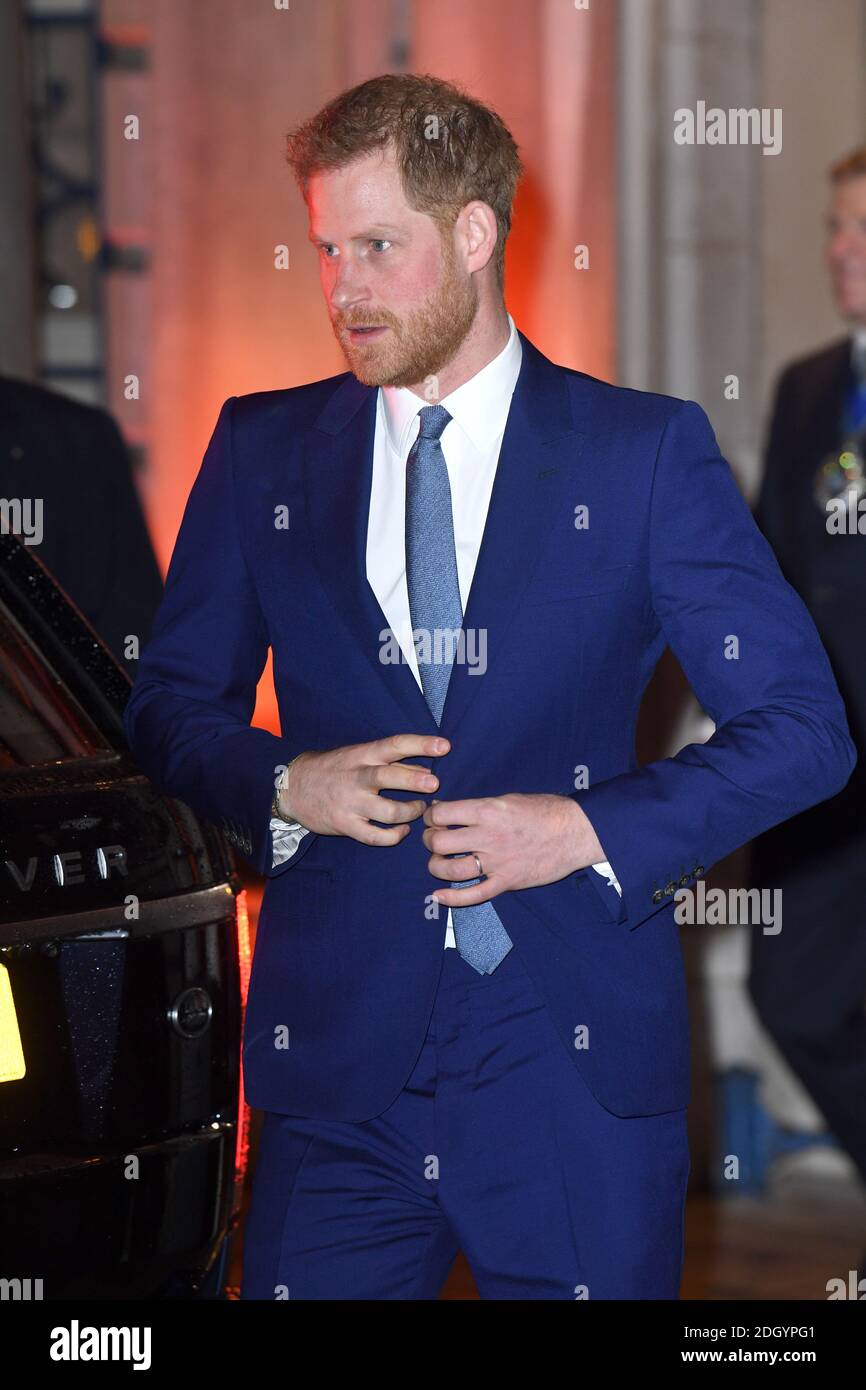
338 469
539 436
831 390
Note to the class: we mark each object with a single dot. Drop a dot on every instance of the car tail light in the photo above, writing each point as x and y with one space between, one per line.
242 1147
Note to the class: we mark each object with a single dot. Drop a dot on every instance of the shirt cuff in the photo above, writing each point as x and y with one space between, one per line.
286 835
607 872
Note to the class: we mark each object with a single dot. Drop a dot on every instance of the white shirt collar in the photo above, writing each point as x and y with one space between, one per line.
480 406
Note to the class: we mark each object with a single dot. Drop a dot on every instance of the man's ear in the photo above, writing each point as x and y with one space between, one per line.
478 228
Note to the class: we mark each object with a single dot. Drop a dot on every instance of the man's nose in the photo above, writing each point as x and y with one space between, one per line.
844 244
348 288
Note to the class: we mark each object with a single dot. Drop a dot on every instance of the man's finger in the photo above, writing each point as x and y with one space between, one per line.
458 841
456 870
367 834
453 812
467 897
385 808
400 776
397 746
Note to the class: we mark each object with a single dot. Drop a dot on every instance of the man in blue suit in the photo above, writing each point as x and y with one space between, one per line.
467 561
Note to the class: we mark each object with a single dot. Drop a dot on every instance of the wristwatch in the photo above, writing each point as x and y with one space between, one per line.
275 804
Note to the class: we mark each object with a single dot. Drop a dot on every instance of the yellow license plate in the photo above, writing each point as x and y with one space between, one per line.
12 1066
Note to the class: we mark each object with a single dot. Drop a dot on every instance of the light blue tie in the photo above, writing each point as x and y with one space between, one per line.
435 609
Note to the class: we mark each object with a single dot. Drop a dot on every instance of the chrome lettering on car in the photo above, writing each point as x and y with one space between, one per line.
69 867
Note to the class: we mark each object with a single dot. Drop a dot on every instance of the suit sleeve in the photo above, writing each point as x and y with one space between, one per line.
188 716
756 664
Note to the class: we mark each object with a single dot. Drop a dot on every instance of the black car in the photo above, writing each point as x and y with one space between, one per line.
124 955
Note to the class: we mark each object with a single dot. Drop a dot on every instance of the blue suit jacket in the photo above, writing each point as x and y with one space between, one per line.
347 957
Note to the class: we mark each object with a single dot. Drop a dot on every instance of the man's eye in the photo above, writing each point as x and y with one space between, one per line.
379 241
325 248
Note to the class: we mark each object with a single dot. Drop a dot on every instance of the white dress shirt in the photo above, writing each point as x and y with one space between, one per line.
470 443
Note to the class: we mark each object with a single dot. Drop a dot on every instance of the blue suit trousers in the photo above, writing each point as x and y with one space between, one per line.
495 1147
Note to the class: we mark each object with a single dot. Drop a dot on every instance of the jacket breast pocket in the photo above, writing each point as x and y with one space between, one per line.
609 579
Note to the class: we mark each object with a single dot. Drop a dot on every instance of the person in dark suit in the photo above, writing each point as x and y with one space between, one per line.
467 561
808 982
92 534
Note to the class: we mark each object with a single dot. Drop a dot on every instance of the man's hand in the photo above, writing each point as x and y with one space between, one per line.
521 841
335 791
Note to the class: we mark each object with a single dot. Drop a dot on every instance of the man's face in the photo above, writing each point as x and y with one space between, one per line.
846 248
386 267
